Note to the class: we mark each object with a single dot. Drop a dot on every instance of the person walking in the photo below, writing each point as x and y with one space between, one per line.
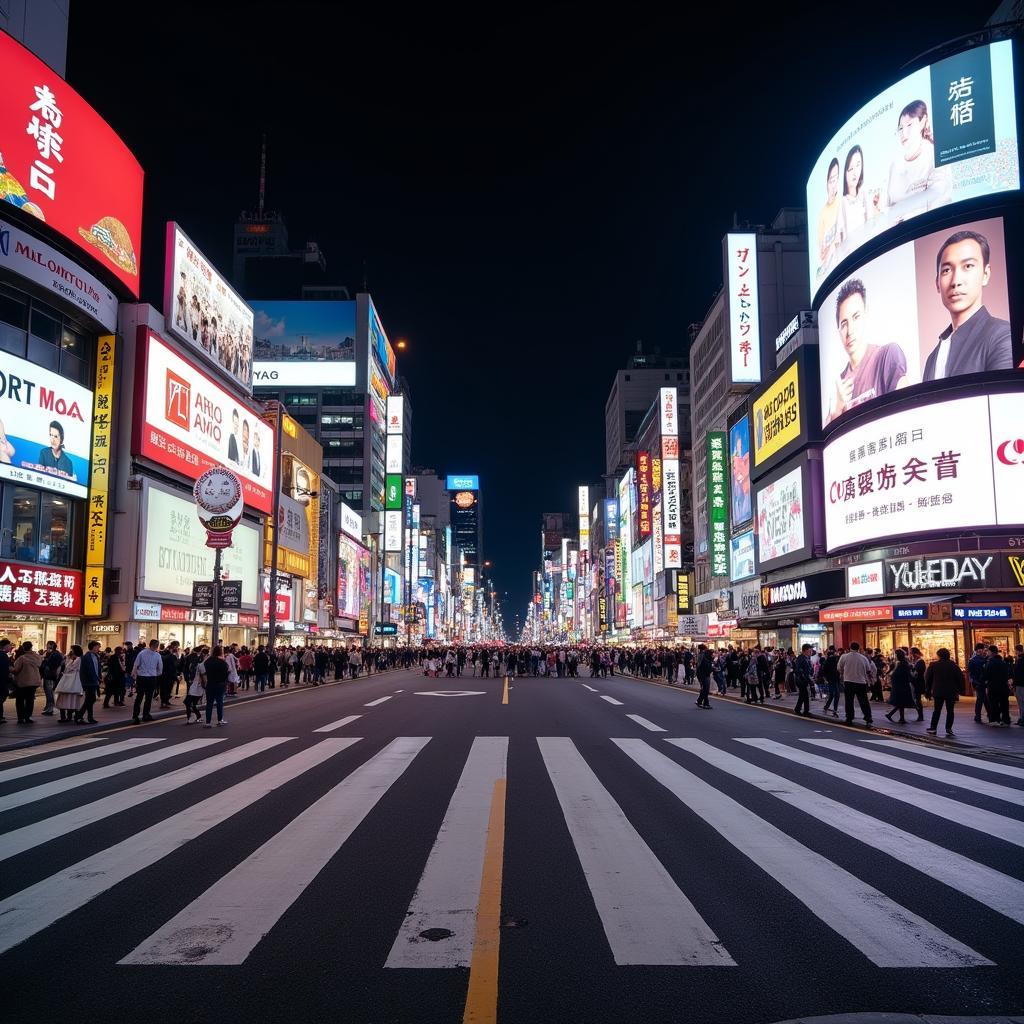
976 674
1018 682
901 688
997 676
920 686
26 675
169 672
215 670
802 673
146 672
90 675
857 674
830 673
114 685
196 687
704 669
945 680
261 666
5 674
69 693
52 663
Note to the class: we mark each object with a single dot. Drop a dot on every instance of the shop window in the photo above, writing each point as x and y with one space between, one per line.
54 530
20 532
39 527
42 353
12 339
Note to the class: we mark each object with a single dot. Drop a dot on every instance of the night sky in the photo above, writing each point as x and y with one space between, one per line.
530 193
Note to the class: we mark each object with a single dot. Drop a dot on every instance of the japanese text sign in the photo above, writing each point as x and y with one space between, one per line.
744 316
718 503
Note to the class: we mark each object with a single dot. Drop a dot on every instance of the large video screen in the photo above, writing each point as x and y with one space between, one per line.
739 471
941 135
928 310
304 344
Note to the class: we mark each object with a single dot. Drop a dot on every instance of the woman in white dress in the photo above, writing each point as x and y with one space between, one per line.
69 691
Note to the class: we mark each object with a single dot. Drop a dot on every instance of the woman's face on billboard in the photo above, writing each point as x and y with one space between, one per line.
910 134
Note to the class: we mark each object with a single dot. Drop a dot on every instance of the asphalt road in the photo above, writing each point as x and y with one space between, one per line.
441 858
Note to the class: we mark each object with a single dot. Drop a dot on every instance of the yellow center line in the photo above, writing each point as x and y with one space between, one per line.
504 695
482 997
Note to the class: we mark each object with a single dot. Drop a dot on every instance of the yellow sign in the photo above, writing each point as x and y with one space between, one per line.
777 416
99 486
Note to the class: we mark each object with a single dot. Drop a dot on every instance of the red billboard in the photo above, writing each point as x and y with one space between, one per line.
29 588
643 488
63 164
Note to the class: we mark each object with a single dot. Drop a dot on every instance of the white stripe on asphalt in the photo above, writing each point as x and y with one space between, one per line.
992 888
945 755
945 807
226 923
58 825
28 912
19 755
339 724
449 891
926 771
590 688
379 700
23 770
886 933
28 796
611 700
646 724
646 917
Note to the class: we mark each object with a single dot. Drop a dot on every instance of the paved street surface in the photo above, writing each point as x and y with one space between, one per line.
591 851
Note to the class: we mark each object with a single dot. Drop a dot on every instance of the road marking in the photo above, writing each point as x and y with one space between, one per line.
927 771
19 755
28 912
399 691
504 692
650 726
449 892
226 923
951 810
612 700
590 688
992 888
339 724
886 933
945 755
449 693
58 825
23 770
31 795
482 993
646 917
379 700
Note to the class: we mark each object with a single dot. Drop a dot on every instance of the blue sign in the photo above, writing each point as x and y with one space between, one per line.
611 518
386 629
911 611
463 483
979 611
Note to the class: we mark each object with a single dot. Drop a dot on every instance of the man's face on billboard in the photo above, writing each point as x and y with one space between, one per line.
852 317
833 182
962 275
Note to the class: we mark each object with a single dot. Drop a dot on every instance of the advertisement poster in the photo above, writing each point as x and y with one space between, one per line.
173 553
186 422
744 308
380 346
45 429
304 344
739 471
350 578
29 588
718 498
61 163
741 556
204 311
781 527
941 135
890 325
776 412
950 465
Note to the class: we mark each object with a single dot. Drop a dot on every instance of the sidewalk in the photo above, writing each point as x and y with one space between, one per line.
968 733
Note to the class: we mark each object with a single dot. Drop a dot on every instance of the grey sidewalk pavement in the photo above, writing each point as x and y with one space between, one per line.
901 1018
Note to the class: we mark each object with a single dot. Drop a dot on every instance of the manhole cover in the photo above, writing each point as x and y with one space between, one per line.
436 934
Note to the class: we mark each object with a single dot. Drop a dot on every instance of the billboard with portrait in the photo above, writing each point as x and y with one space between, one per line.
941 135
351 580
932 309
739 471
787 513
742 562
304 344
63 165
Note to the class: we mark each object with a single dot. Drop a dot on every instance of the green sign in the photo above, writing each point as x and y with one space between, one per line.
718 504
393 492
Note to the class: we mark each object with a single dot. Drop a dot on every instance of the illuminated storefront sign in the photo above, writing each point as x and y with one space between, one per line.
25 588
99 493
744 315
718 502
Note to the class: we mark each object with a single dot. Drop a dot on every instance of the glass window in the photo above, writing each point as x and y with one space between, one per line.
20 533
45 327
73 341
12 339
74 369
55 530
42 353
13 308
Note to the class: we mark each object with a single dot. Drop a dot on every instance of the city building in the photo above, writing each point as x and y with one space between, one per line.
41 26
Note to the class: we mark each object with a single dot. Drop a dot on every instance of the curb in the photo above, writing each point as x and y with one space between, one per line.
876 1017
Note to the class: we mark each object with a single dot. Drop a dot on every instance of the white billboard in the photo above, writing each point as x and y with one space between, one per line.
672 513
204 311
173 553
303 375
742 563
392 531
393 454
781 525
865 580
45 428
395 406
950 465
351 522
669 402
744 310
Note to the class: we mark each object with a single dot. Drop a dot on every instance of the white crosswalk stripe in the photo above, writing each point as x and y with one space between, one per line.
646 917
943 806
888 934
449 891
224 925
22 771
646 723
946 755
611 700
21 839
339 724
926 771
379 700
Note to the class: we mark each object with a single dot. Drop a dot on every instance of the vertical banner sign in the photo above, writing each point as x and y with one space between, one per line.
643 483
656 474
684 593
672 514
659 537
668 402
583 508
718 504
744 319
99 488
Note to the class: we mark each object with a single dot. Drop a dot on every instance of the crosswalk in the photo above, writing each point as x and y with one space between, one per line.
778 810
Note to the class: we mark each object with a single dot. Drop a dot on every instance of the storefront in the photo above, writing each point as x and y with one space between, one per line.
40 604
792 608
191 627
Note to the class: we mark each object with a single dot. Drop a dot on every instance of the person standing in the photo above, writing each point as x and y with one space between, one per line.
170 667
53 662
997 676
856 673
1018 682
976 673
261 666
919 685
146 672
25 672
802 673
901 693
231 660
945 680
90 674
69 691
5 674
114 685
830 673
216 672
704 669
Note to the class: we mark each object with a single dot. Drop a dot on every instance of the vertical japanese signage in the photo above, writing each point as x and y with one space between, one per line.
99 490
659 537
744 320
718 503
668 402
672 512
583 508
643 483
684 593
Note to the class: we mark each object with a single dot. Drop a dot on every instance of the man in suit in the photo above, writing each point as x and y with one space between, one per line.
233 439
90 676
975 340
256 463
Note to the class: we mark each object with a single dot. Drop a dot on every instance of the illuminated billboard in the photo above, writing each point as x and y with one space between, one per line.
308 344
928 310
940 135
352 588
744 308
467 482
739 471
782 519
742 563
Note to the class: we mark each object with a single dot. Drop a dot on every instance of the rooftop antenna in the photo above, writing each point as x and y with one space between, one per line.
263 177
